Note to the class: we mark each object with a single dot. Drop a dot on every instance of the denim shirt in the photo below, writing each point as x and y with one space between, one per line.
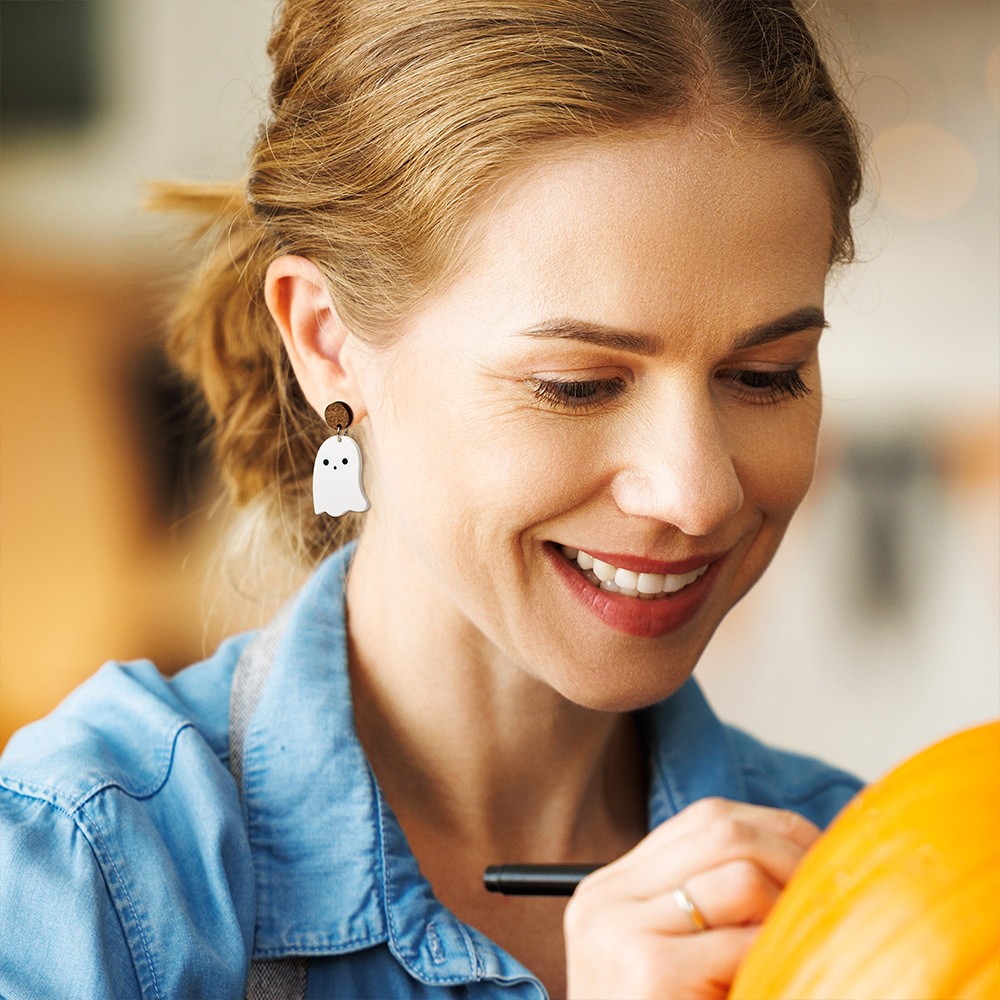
130 868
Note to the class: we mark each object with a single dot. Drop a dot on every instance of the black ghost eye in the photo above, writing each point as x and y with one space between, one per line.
326 461
344 462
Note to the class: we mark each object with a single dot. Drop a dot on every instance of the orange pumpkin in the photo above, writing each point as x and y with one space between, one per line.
900 897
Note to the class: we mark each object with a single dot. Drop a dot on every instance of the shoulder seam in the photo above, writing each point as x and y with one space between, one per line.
58 807
23 790
70 804
158 784
110 863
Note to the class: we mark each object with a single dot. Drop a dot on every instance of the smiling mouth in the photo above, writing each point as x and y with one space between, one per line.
617 580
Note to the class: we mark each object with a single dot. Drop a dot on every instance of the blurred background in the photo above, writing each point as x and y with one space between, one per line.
876 632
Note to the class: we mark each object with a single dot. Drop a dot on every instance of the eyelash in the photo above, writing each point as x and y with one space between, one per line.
579 395
771 387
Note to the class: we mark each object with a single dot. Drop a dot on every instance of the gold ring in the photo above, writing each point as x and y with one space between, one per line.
687 904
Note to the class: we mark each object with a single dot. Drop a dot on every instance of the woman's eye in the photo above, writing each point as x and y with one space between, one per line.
767 387
578 395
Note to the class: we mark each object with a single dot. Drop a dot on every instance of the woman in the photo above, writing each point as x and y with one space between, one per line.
564 263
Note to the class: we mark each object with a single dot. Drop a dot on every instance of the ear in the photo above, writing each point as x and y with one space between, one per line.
316 339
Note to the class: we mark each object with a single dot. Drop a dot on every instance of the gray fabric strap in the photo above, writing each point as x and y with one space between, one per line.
252 671
277 979
272 979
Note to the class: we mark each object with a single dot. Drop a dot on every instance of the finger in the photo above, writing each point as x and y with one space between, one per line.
717 955
655 872
734 894
713 810
701 965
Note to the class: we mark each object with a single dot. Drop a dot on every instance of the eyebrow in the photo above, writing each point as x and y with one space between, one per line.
806 318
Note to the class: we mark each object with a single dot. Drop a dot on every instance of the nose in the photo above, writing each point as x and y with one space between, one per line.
678 469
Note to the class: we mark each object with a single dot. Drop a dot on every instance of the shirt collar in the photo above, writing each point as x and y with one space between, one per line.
690 754
333 870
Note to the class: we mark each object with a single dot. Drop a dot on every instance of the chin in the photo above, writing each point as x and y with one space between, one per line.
625 675
623 690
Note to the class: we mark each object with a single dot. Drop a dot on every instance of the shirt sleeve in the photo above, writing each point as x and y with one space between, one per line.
789 780
60 934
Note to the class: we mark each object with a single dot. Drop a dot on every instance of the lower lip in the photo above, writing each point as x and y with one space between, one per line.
645 619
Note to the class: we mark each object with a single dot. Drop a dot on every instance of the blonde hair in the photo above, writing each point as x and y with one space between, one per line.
390 119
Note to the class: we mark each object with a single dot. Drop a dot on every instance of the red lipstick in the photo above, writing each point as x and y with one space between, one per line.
645 619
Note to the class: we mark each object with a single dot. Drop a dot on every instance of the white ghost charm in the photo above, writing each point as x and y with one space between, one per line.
337 470
337 477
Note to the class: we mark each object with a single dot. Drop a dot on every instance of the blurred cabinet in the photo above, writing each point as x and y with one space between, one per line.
93 564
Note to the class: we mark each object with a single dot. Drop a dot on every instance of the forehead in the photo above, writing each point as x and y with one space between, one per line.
652 228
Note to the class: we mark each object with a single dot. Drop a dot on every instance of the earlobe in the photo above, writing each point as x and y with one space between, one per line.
314 336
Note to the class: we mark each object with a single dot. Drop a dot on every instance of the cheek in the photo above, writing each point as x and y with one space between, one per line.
466 475
776 468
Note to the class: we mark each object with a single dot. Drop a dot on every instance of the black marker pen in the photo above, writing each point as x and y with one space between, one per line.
536 880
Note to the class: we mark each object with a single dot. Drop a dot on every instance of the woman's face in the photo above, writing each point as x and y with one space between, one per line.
626 367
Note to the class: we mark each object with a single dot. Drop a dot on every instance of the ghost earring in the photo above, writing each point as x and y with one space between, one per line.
337 471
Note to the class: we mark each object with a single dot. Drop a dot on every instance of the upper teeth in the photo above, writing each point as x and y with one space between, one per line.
625 581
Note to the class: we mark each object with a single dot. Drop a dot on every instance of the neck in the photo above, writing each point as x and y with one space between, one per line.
467 746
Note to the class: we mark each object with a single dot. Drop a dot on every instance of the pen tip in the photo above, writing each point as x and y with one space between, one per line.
492 878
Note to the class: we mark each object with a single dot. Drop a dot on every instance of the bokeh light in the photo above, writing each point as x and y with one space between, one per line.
924 171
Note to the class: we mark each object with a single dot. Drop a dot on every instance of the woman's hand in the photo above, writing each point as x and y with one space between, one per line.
627 934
